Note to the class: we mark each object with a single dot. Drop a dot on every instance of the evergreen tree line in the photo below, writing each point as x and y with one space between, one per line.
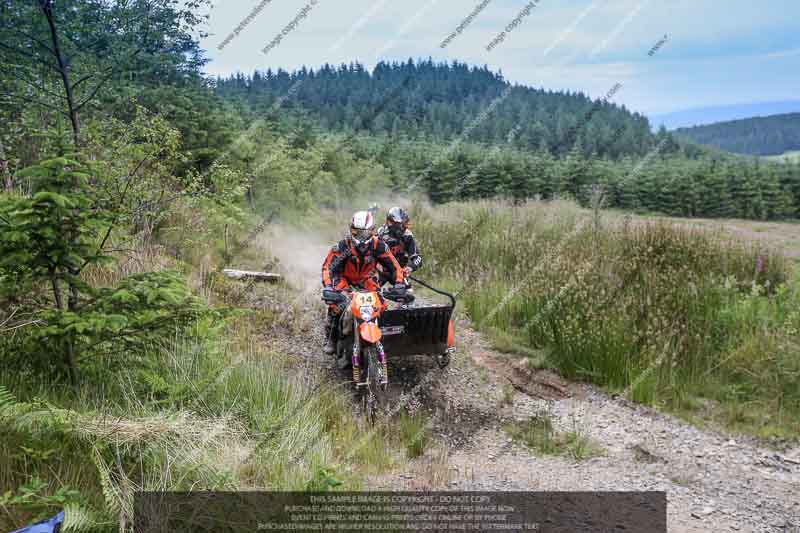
771 135
440 101
403 117
672 183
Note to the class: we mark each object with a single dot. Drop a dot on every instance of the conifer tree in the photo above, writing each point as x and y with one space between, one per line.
746 193
718 202
573 172
777 202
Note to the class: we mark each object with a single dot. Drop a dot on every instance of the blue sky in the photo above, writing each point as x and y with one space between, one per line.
718 52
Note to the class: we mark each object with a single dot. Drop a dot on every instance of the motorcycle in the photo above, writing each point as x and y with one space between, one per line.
359 343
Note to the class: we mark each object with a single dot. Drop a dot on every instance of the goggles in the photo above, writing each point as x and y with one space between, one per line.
360 236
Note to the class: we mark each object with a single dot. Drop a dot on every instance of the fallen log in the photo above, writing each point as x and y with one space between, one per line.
249 274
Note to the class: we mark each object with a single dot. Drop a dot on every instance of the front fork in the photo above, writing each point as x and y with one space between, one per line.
357 357
356 354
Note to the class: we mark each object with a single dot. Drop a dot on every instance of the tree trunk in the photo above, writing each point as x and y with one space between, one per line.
69 349
249 191
270 277
225 237
72 301
56 291
249 195
8 185
63 69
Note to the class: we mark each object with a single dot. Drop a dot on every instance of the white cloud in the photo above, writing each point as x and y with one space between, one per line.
585 45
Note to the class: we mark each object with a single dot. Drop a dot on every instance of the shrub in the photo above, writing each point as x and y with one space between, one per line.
46 242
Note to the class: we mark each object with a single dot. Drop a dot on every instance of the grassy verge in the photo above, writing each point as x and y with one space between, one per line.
208 409
671 316
204 416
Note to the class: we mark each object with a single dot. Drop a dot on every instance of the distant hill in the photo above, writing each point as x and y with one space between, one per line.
787 157
427 100
709 115
772 135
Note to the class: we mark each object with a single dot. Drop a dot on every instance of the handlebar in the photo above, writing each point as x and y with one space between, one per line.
333 297
337 298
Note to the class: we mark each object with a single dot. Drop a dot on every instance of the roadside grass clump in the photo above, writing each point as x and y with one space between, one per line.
656 311
515 343
536 433
580 445
414 433
438 473
539 433
508 394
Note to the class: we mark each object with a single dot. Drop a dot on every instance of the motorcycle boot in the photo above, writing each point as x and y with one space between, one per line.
330 335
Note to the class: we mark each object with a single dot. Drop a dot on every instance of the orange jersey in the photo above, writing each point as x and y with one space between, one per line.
345 266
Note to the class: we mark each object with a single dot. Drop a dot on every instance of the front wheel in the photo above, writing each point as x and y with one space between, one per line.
373 395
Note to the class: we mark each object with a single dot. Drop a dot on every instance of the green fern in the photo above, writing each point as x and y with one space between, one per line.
79 519
7 402
110 491
35 417
14 415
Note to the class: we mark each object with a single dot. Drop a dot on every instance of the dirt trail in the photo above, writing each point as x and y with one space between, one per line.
714 482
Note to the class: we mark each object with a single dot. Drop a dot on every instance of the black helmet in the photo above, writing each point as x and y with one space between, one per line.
397 220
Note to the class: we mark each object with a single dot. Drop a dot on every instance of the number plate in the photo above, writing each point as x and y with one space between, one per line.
366 298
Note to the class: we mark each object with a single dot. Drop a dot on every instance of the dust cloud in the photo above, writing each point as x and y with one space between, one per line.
298 252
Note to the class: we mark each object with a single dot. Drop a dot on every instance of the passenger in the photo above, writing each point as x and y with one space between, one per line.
397 235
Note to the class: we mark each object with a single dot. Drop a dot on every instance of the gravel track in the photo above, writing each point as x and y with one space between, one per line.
713 481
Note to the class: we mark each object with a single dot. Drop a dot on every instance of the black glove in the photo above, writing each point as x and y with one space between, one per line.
415 262
330 295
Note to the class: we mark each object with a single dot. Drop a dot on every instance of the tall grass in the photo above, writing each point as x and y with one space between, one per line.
658 311
203 418
212 411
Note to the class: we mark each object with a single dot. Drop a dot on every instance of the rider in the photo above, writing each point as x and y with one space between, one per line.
397 235
353 261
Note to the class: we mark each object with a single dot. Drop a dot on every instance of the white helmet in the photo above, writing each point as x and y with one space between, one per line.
362 229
